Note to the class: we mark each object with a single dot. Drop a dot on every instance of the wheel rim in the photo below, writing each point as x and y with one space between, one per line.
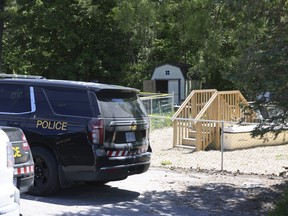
40 172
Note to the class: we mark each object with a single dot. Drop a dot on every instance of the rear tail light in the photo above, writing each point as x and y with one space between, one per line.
25 143
10 155
96 131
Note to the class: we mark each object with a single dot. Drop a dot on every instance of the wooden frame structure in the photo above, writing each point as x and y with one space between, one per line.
196 124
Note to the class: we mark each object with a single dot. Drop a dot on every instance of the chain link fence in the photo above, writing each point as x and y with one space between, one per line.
159 104
239 151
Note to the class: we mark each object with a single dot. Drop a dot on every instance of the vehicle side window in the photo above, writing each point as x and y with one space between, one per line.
65 101
41 101
94 103
14 99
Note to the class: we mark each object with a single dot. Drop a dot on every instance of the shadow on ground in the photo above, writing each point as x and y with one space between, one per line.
208 199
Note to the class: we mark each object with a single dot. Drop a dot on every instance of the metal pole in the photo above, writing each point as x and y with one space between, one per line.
151 106
222 144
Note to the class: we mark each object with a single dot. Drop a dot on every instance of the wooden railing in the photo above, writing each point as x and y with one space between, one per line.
194 103
196 123
189 109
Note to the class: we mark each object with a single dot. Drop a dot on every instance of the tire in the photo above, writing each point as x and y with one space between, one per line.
46 179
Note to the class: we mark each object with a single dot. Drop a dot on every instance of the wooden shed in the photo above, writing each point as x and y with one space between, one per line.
172 78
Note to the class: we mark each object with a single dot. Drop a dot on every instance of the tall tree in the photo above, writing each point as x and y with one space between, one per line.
138 21
227 42
65 39
2 5
191 32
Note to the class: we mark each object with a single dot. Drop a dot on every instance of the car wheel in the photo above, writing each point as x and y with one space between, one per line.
46 180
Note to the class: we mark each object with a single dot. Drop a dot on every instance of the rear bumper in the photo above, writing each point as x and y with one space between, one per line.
23 183
110 169
24 176
122 171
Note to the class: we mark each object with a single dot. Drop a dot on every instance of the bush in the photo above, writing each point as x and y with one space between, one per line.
281 207
160 121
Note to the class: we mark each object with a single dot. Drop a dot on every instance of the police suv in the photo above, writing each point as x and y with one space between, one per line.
24 164
77 131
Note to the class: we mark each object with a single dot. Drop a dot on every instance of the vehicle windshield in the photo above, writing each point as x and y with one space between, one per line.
117 103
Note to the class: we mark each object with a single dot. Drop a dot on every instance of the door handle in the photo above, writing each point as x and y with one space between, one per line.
14 124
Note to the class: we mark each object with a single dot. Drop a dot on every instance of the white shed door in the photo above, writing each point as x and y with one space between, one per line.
173 87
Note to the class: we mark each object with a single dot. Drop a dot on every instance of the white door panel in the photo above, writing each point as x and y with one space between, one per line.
173 87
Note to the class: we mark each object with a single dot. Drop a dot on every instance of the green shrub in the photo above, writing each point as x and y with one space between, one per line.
160 121
281 207
164 163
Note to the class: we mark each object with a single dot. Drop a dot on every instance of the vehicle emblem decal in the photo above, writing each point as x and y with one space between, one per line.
133 127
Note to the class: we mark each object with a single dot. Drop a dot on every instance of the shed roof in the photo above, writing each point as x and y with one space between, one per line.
184 68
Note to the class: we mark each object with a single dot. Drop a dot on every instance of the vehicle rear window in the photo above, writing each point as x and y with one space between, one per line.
120 104
14 98
65 101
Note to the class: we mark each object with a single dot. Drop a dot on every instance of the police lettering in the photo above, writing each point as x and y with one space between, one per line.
17 152
51 125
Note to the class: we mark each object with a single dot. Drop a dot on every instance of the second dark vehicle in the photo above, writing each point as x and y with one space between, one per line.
77 131
23 161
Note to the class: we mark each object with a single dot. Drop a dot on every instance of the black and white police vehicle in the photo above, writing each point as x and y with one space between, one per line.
77 131
24 164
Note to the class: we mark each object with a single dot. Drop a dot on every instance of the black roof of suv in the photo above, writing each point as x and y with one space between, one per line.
66 83
78 131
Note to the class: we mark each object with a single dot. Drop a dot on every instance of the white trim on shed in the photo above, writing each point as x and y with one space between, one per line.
175 79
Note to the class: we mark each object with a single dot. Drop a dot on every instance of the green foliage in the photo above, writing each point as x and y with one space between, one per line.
166 162
267 51
263 63
64 39
160 122
281 206
230 44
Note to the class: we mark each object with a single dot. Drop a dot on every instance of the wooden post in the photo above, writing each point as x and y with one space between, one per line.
175 130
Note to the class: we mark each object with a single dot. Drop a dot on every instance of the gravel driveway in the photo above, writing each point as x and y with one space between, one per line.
163 192
272 160
192 185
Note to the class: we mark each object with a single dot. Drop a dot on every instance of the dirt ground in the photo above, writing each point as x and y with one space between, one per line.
179 182
250 183
222 193
164 192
